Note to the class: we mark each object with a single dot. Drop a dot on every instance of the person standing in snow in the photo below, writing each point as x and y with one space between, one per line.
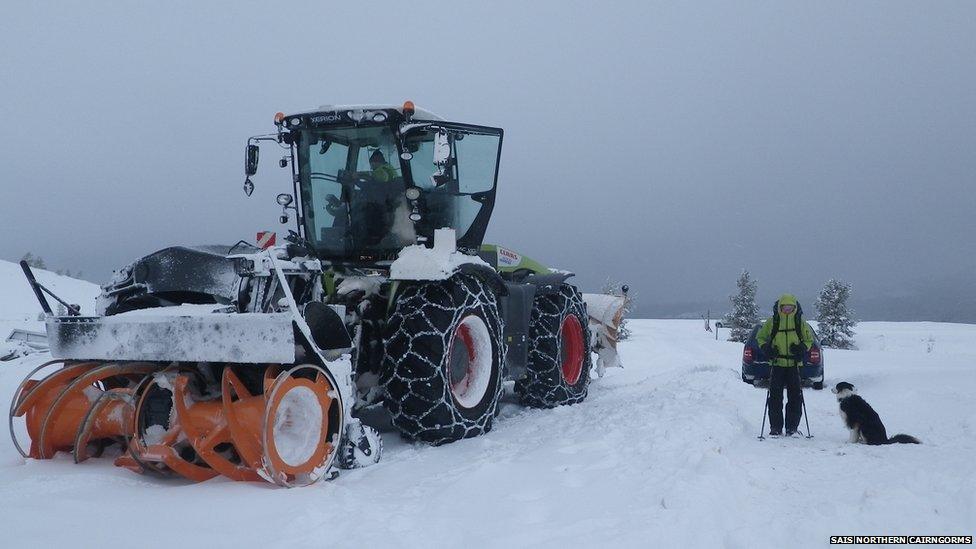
785 339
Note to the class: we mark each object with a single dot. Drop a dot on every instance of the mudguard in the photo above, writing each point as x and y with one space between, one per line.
548 283
326 326
487 275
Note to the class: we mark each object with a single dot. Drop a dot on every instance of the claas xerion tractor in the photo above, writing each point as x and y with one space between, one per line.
258 363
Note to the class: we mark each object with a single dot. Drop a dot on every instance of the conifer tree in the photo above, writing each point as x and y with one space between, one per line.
836 320
745 312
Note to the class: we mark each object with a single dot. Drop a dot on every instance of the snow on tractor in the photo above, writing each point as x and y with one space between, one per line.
256 364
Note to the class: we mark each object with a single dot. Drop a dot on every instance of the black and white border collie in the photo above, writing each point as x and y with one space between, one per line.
864 423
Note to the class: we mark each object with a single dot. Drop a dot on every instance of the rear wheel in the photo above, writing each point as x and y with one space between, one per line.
559 357
442 360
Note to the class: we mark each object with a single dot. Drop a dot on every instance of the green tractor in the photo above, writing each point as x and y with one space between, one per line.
383 294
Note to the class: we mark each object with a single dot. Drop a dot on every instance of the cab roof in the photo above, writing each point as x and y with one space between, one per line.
419 112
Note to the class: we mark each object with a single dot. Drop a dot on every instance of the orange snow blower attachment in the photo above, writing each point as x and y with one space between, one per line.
77 405
282 427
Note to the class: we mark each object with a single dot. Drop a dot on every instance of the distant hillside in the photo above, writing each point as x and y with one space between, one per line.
17 301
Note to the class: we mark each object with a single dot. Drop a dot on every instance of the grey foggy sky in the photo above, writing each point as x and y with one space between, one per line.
668 146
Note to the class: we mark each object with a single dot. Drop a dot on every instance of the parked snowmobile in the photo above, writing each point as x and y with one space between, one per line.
255 364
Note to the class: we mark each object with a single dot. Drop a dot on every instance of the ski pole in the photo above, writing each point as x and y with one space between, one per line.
803 401
762 427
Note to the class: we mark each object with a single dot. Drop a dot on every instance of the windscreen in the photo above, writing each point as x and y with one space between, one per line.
353 192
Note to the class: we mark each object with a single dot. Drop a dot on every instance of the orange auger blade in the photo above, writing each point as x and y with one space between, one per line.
206 427
109 415
159 448
301 427
66 410
236 438
283 428
244 421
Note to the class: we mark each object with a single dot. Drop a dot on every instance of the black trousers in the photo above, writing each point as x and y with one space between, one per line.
780 377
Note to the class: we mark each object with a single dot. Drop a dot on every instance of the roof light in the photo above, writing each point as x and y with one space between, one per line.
409 108
279 116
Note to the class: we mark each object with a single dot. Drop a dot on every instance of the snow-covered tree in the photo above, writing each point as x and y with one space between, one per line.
835 318
34 261
611 287
745 312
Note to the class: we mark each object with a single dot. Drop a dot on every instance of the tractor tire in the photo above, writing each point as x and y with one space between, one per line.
442 363
558 371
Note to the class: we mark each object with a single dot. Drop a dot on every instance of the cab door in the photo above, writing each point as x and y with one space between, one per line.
455 166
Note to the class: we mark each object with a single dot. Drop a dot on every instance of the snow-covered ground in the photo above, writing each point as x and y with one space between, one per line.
662 452
17 301
19 308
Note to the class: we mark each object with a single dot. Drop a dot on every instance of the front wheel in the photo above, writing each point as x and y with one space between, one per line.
442 360
559 357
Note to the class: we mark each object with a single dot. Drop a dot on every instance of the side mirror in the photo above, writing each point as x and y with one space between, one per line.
251 161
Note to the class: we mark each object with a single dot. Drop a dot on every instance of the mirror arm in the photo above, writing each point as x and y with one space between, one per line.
268 137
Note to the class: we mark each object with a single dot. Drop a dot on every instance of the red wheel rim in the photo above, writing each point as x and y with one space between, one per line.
469 362
571 349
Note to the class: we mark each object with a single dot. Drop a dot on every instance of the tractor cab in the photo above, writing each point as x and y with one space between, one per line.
372 180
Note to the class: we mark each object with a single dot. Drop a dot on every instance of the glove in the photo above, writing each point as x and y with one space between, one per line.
769 351
797 350
333 204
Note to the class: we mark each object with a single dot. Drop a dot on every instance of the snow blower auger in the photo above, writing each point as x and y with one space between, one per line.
287 434
255 364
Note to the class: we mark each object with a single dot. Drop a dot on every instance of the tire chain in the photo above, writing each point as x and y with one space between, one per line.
419 329
543 385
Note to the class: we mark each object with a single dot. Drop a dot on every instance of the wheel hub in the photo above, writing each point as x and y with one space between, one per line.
470 361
